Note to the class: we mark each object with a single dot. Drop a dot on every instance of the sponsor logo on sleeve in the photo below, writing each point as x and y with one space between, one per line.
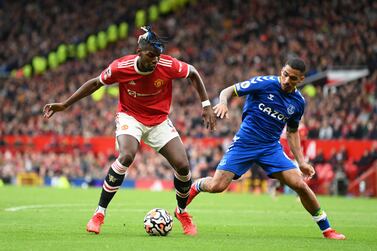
243 85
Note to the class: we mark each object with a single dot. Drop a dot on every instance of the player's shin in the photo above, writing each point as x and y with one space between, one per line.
182 184
111 184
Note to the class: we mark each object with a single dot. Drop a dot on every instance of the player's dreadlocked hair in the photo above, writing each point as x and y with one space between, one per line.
151 38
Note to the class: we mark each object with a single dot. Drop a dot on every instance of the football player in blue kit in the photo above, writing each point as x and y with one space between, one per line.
272 102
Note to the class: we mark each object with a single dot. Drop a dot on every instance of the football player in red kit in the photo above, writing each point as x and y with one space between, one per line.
145 94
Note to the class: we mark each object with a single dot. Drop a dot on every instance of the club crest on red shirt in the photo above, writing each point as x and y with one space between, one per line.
158 83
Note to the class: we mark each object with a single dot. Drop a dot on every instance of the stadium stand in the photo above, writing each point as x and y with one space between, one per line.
227 41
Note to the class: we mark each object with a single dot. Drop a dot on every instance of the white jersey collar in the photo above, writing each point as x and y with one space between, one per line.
137 69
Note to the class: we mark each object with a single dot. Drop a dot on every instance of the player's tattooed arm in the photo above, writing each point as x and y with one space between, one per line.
221 109
226 94
85 90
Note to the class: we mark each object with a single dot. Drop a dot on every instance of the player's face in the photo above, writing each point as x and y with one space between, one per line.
149 58
290 78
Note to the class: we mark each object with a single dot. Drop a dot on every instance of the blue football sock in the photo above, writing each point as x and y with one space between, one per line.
321 218
198 184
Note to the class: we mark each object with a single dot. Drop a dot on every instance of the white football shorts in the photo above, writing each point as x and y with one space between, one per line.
154 136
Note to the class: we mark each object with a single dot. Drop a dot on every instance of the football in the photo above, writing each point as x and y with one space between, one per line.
158 222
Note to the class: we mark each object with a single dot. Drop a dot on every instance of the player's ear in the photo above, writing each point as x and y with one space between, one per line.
302 77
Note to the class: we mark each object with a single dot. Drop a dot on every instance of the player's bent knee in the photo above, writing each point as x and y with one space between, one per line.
300 187
182 168
126 159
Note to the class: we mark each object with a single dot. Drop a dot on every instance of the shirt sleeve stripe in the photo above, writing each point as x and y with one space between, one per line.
235 90
188 70
100 79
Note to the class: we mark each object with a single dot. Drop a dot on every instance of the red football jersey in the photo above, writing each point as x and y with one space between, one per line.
146 96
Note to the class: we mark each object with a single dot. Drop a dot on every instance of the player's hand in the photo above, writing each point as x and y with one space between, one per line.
50 109
209 118
221 110
307 170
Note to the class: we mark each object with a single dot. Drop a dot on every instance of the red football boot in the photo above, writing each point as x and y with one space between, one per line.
94 224
188 226
332 234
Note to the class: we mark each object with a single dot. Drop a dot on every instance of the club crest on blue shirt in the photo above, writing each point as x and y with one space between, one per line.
291 109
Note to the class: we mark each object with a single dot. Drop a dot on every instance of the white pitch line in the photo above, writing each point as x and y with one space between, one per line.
61 207
240 211
26 207
65 206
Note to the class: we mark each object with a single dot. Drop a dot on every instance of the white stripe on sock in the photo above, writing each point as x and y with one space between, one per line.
320 217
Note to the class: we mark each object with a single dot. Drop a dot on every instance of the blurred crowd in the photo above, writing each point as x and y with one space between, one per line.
30 28
74 161
227 41
336 173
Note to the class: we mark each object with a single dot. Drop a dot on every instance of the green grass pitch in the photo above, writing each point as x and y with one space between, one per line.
55 219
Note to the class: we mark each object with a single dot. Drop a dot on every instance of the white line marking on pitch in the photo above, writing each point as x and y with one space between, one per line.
26 207
62 207
241 211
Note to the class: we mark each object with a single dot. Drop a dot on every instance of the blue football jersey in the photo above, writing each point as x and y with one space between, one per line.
267 109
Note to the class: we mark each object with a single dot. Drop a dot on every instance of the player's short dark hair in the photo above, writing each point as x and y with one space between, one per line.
297 64
152 39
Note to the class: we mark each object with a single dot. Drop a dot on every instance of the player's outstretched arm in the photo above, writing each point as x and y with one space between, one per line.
86 89
293 139
208 115
221 109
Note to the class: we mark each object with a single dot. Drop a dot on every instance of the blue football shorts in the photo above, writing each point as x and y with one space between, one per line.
239 158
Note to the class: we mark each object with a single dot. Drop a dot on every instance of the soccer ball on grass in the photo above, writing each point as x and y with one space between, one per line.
158 222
